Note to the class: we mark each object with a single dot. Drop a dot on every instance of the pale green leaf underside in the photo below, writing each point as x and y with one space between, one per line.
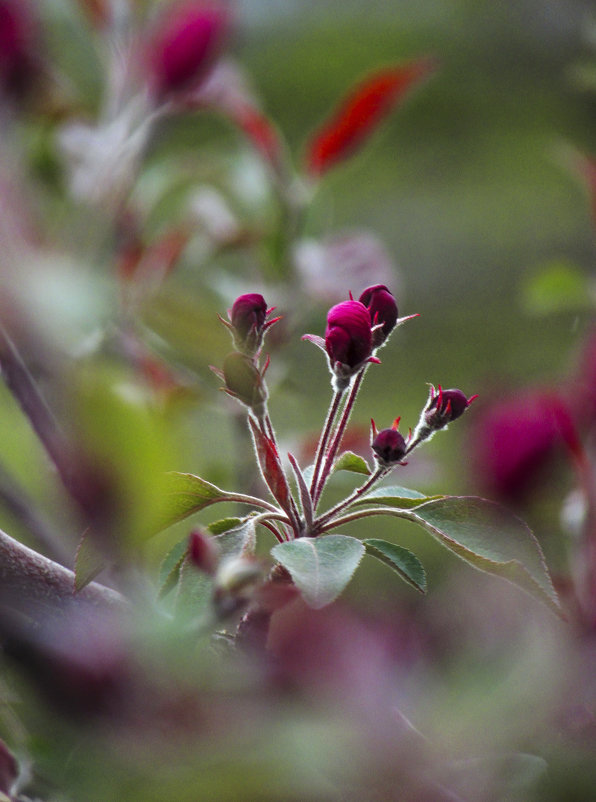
320 567
492 539
401 560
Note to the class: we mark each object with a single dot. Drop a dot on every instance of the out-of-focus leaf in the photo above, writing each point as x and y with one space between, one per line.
401 560
348 461
320 567
195 588
492 539
223 525
559 286
88 562
393 496
361 112
169 570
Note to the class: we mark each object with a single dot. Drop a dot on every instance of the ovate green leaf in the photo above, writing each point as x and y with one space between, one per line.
349 461
404 562
320 567
169 570
490 538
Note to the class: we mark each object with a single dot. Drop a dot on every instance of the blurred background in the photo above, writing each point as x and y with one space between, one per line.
126 229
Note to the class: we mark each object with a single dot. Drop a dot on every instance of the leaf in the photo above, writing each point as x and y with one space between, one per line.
89 562
271 468
348 461
223 525
559 286
393 496
404 562
187 494
361 112
169 570
492 539
320 567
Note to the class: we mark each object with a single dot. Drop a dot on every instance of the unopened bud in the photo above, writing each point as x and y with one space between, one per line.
203 551
348 339
383 312
442 407
389 447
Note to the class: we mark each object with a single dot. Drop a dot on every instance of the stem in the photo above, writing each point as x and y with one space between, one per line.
242 498
373 479
331 414
34 584
366 513
337 437
26 392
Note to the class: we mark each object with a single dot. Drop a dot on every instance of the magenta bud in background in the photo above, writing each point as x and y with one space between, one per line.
188 40
383 311
203 551
19 48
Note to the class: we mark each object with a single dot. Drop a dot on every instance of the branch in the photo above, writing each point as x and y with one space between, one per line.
34 584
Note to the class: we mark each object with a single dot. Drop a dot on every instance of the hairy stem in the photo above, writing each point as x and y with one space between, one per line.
372 480
325 434
337 437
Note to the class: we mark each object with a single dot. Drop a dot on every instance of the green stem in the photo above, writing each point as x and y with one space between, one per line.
373 479
325 434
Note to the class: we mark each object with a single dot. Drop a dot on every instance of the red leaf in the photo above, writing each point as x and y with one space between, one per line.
271 467
261 133
361 112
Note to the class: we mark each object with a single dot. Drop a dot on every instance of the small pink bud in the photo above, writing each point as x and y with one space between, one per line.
203 551
186 44
383 311
442 407
19 48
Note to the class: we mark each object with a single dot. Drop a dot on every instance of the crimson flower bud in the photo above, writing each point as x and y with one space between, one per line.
389 446
383 311
247 316
187 44
442 407
203 551
19 48
348 339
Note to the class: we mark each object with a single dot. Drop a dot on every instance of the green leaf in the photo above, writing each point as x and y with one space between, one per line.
320 567
492 539
187 494
559 286
223 525
393 496
348 461
89 562
404 562
169 570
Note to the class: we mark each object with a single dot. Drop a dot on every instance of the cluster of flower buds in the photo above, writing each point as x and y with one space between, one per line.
355 329
243 378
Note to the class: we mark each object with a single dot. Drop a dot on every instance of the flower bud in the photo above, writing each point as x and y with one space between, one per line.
186 45
20 63
247 316
442 407
244 382
389 447
348 339
383 312
203 551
